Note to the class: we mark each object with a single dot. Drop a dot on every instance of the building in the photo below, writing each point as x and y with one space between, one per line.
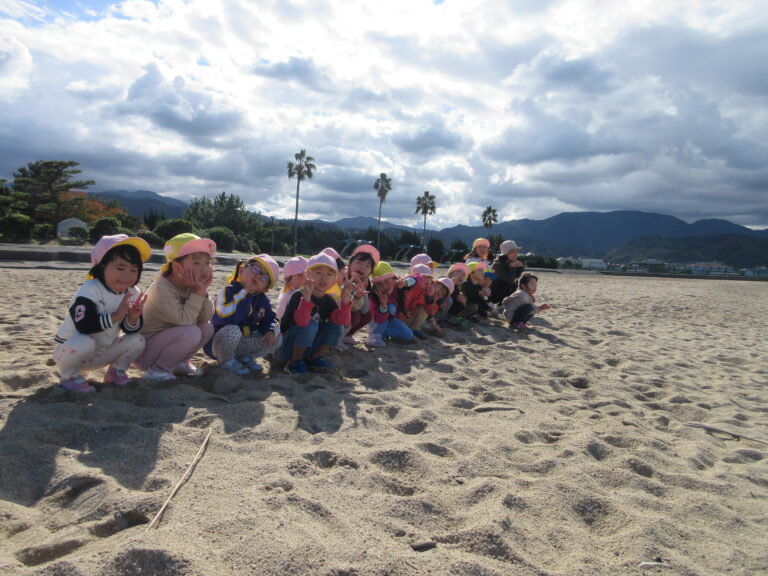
64 227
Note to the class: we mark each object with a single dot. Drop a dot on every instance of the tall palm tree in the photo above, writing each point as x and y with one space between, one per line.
490 217
304 167
383 186
425 205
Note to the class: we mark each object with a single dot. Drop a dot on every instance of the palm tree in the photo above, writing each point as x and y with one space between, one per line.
383 186
425 205
490 217
304 167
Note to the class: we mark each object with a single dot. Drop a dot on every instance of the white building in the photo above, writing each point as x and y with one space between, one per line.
592 264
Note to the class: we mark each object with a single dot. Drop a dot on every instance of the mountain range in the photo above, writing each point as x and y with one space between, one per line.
572 234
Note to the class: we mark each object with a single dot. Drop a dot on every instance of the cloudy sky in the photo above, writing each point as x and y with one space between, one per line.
535 107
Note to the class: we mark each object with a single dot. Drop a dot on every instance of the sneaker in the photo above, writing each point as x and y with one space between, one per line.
420 335
116 377
297 367
322 365
156 375
187 369
234 366
77 384
250 363
520 326
349 340
375 342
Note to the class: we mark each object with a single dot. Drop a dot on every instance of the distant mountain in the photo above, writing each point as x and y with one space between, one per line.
140 202
736 250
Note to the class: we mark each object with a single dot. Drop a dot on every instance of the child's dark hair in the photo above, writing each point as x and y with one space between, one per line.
526 278
490 256
365 257
128 253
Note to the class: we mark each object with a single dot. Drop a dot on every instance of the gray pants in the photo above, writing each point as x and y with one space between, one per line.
229 342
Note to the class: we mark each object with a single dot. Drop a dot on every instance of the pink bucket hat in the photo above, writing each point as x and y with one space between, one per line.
271 267
106 243
423 259
448 283
481 242
322 259
368 249
332 253
295 265
459 266
422 269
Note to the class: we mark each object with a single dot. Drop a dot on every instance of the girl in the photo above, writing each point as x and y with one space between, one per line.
384 303
244 323
458 273
508 268
361 265
313 321
106 305
418 300
177 313
442 294
481 252
521 306
474 290
295 273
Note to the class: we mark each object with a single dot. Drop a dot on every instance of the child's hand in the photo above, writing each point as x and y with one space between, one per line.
309 285
270 338
485 292
545 307
194 283
347 284
122 310
136 308
401 283
461 299
382 297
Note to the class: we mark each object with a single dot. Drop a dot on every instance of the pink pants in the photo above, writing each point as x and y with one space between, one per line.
166 349
78 353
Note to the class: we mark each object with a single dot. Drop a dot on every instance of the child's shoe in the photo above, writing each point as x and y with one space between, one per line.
77 384
156 375
234 366
321 365
187 369
521 326
250 363
420 335
375 341
297 367
349 340
116 377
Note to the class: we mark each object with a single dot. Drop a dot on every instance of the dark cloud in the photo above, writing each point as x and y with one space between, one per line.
429 137
301 70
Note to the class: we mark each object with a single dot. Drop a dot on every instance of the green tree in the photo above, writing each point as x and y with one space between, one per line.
47 183
383 186
490 217
425 205
167 229
303 168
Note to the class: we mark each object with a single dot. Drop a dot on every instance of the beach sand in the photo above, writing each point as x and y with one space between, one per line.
564 451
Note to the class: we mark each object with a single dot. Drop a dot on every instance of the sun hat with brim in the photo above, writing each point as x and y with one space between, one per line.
382 271
295 265
490 274
473 266
422 269
268 264
459 266
106 243
448 283
184 245
481 242
322 259
368 249
423 259
331 252
507 246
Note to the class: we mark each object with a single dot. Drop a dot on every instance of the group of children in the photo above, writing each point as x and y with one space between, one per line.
324 302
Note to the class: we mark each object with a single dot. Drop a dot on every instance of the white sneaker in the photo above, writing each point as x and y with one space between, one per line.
187 369
375 342
158 375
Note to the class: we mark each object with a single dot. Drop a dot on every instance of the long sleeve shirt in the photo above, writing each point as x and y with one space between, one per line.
167 306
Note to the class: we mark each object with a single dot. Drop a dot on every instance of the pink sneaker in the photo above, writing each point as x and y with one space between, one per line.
77 384
116 377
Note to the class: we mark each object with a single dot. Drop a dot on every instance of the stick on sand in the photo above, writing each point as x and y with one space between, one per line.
184 478
721 431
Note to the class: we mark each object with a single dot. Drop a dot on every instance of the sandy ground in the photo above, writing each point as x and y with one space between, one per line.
565 451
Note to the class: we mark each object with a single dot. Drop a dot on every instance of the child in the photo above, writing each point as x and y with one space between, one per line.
423 259
361 265
177 314
442 293
520 307
313 321
295 273
418 301
508 268
475 290
458 273
105 305
245 325
481 252
384 303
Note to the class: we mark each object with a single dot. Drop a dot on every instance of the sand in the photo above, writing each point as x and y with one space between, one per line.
564 451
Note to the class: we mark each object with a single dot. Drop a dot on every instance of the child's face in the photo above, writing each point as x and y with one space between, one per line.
385 286
119 274
200 263
253 278
361 269
477 276
323 277
487 281
481 250
457 276
441 290
530 287
297 280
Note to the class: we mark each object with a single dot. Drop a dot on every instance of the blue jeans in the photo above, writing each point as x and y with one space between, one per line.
523 314
393 328
312 336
